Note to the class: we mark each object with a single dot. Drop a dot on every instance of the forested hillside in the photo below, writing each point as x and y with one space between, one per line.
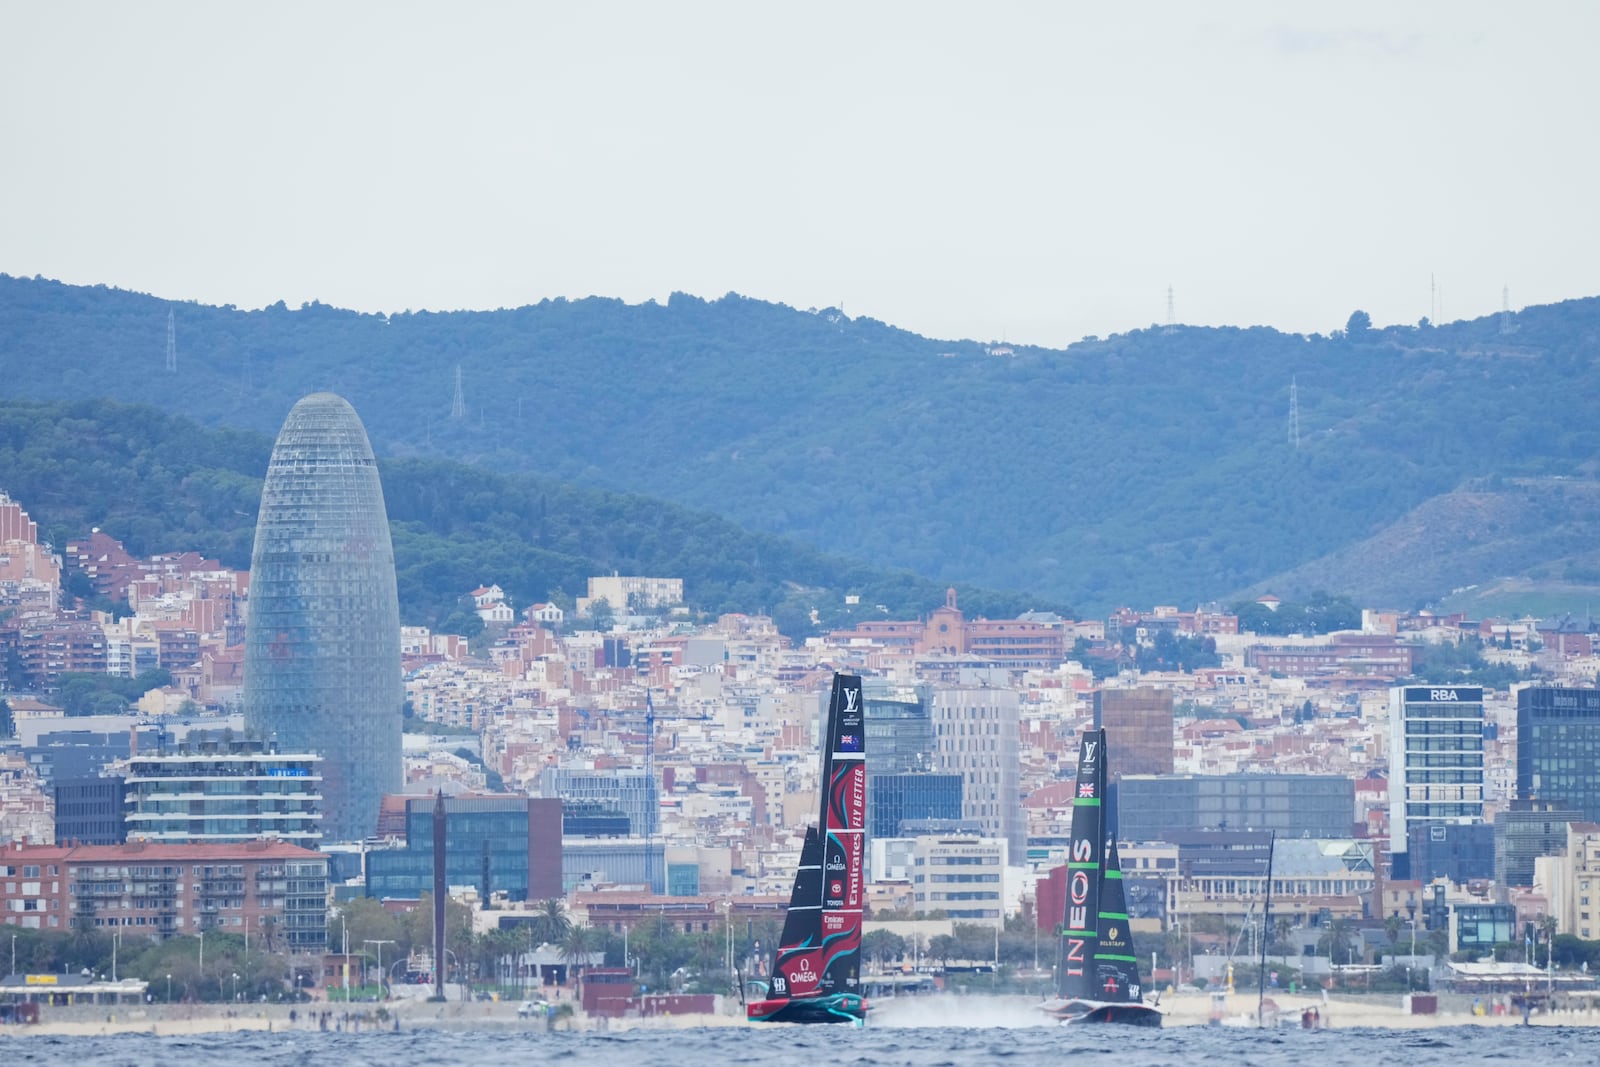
162 484
1155 466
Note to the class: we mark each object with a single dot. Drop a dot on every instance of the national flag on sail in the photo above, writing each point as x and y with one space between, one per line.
1086 789
849 742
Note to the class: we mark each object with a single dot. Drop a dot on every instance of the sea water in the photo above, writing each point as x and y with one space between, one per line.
789 1046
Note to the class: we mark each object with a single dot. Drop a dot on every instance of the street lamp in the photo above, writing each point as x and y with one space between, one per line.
727 929
380 945
13 953
235 985
169 989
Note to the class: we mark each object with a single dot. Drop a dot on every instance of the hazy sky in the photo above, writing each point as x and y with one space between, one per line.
1034 171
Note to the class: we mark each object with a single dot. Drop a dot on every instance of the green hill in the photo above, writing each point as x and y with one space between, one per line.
1522 544
161 484
1154 466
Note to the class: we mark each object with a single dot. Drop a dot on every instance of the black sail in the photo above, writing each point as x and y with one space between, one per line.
1116 969
1077 976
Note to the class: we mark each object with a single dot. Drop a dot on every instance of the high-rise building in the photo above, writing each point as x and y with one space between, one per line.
219 792
975 736
322 651
898 727
1435 762
1558 747
1138 726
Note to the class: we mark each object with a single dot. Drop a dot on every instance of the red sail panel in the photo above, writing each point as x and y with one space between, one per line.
844 821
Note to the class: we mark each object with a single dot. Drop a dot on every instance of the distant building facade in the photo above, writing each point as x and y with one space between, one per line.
322 651
1294 805
629 791
160 891
514 841
1558 748
976 736
1457 852
895 799
221 792
964 877
1435 762
1138 725
1530 829
89 811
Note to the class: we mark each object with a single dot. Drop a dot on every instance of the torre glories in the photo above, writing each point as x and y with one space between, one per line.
322 645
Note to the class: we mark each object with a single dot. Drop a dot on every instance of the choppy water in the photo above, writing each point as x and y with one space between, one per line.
788 1046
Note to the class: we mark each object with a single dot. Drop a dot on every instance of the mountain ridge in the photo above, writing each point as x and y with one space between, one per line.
1150 466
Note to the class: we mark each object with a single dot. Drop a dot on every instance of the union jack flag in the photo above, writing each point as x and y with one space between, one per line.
849 743
1086 789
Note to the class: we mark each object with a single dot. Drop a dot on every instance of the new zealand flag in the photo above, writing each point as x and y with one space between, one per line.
849 742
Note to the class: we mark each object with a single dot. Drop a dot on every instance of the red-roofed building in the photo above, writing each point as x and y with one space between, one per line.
159 890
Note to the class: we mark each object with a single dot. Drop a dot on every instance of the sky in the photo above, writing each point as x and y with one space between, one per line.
1027 172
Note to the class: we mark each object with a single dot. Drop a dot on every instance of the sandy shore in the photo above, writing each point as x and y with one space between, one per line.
1011 1011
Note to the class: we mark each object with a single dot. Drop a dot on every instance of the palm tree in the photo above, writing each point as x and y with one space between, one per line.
551 924
576 946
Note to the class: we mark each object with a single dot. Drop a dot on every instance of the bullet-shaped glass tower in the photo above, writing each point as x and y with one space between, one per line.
322 649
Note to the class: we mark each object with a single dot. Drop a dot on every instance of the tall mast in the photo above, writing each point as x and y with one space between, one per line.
1266 933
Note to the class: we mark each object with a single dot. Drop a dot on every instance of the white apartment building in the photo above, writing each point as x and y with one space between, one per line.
964 877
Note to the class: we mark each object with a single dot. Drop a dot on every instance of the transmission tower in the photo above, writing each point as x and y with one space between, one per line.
172 343
1172 319
458 406
1294 414
1505 310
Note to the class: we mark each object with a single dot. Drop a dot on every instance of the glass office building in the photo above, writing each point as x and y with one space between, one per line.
1558 748
509 845
322 649
893 799
1295 805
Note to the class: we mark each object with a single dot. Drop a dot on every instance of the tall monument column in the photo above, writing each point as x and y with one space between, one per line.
322 648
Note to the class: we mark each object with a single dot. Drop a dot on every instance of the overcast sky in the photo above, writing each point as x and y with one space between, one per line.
1032 171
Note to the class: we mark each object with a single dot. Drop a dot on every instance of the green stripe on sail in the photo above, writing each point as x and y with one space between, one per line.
1082 866
1113 915
1088 802
1122 959
1114 874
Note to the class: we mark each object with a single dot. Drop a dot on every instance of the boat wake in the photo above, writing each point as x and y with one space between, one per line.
905 1013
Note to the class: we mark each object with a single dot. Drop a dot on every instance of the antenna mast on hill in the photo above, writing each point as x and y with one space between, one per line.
1172 319
1294 414
1505 309
458 406
172 343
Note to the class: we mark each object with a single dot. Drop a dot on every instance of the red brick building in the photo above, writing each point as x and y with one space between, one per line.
160 891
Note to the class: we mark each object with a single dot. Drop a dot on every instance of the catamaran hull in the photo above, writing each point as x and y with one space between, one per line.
1079 1012
838 1008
